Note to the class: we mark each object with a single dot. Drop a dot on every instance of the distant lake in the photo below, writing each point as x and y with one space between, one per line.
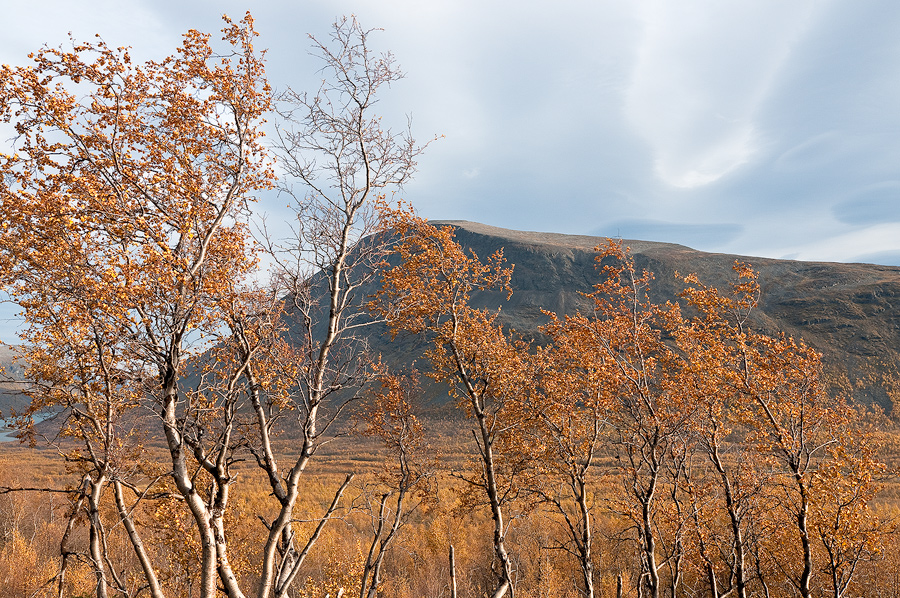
7 434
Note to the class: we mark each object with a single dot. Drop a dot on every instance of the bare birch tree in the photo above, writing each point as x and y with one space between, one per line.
339 160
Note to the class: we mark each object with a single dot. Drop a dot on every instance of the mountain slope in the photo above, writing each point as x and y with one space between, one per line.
849 312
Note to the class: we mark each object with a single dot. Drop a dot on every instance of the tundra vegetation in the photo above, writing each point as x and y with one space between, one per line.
213 435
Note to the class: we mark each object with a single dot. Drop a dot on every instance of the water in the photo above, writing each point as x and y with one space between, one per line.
7 434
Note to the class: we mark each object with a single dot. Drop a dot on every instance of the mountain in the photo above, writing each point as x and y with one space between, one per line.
848 312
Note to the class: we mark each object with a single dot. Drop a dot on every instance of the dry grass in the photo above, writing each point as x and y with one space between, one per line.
31 525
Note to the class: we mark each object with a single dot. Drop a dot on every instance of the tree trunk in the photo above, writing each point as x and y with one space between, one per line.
184 482
137 543
452 573
487 453
98 558
587 563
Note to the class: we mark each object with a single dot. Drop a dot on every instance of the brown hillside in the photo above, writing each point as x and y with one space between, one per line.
849 312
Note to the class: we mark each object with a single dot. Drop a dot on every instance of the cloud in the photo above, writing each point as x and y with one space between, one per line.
698 236
120 23
703 69
876 244
889 257
654 115
812 154
874 204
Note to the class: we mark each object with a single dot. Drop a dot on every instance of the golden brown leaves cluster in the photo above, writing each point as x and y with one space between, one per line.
123 203
124 206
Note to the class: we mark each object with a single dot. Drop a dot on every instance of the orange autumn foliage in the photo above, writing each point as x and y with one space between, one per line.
125 208
657 448
735 465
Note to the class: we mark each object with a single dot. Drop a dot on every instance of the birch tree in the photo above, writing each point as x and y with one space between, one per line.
338 159
429 292
124 205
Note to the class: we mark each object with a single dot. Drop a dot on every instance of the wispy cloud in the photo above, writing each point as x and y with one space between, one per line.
878 203
121 23
876 243
775 121
703 68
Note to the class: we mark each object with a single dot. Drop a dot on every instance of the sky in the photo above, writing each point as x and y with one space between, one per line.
755 127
